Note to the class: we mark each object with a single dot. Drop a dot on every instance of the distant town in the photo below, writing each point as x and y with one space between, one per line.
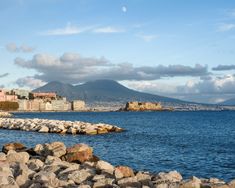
39 101
25 100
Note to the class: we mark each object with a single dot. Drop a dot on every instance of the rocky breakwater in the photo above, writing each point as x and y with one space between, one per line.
53 165
5 114
57 126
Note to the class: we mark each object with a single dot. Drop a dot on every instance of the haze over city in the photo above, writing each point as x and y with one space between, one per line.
183 50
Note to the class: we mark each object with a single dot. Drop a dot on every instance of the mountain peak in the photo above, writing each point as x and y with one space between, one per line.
102 91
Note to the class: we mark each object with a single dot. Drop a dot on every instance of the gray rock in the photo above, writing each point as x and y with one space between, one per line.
35 164
129 182
80 176
105 166
105 182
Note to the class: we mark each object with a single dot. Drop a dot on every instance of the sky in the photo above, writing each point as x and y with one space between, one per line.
176 48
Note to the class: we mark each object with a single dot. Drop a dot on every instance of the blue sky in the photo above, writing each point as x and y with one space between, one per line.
183 49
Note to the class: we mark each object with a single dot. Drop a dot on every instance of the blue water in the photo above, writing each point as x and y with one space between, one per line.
193 143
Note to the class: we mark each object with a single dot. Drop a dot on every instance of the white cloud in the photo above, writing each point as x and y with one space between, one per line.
212 85
147 38
12 47
69 29
29 82
74 68
108 29
226 27
152 86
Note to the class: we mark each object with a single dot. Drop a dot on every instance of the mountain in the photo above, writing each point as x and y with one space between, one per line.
229 102
102 91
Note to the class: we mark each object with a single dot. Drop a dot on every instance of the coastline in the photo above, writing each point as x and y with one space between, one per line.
54 165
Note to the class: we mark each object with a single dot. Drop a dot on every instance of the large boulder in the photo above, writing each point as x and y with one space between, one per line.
21 157
105 167
124 171
129 182
80 176
16 146
172 176
78 153
194 182
56 149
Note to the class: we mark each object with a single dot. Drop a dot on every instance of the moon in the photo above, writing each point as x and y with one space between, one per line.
124 9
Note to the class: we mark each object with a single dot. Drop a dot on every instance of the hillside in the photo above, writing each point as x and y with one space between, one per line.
102 91
229 102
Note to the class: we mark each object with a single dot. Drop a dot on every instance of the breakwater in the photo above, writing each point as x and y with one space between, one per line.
57 126
5 114
55 165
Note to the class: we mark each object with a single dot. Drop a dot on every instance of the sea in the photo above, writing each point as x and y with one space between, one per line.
198 144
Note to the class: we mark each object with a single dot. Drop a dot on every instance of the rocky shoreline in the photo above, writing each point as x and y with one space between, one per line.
54 165
57 126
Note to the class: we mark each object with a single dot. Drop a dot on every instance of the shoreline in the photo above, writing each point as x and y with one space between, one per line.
55 165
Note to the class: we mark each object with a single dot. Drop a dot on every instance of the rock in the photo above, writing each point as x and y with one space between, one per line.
105 182
56 149
98 177
125 171
161 185
44 129
35 164
23 175
7 181
2 156
194 182
216 181
231 184
144 178
51 159
172 176
105 167
118 174
21 157
91 132
38 149
129 182
48 178
78 153
16 146
80 176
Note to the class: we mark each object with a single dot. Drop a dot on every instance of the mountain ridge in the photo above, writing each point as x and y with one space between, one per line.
102 91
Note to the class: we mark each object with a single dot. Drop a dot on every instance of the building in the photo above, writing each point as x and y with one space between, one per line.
78 105
44 96
6 96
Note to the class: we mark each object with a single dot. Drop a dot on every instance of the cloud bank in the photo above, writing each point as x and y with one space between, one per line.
210 85
12 47
74 68
224 67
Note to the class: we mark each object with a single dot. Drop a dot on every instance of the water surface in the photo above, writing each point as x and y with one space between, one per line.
193 143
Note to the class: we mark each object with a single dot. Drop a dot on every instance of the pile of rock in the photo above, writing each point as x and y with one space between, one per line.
54 165
5 114
57 126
